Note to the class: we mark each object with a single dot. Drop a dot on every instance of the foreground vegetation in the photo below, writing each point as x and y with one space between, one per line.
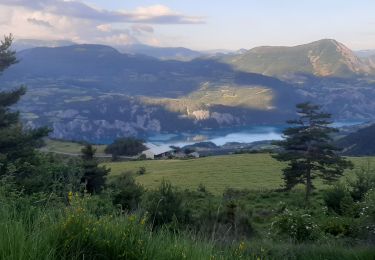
186 225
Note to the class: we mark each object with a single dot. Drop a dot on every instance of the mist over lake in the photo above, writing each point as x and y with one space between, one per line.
245 134
221 136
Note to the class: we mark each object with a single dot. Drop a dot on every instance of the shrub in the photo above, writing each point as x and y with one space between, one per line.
202 188
334 196
339 226
164 205
126 192
368 208
368 215
348 207
295 225
141 171
364 181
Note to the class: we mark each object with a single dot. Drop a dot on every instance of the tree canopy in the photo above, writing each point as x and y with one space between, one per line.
128 146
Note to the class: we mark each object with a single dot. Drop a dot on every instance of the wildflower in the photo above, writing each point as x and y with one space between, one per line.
131 218
70 196
242 246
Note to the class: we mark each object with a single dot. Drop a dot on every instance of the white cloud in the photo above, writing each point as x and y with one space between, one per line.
39 22
157 14
82 23
104 27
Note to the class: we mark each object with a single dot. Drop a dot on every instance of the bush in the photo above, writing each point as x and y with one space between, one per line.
295 225
368 215
141 171
334 196
339 226
48 174
126 192
164 205
368 208
339 200
364 181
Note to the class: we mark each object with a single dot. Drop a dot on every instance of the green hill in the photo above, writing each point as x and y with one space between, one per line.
325 57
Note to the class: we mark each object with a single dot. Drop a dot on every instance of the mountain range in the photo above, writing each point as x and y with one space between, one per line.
163 53
97 92
24 44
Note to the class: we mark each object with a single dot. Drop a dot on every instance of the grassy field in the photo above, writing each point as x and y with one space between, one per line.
251 171
69 147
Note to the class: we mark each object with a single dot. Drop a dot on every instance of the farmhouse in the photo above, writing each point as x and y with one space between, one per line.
194 155
155 151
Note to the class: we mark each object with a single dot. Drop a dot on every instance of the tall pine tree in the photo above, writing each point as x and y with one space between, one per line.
16 143
308 148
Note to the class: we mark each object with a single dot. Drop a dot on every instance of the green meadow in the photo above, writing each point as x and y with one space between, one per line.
216 173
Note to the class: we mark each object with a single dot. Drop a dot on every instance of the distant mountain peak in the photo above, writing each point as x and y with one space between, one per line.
325 57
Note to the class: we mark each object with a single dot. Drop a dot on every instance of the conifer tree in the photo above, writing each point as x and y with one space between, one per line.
308 148
94 177
17 145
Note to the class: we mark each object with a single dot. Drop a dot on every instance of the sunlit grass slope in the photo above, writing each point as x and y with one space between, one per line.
250 171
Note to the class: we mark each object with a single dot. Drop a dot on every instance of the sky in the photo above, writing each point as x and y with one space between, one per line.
196 24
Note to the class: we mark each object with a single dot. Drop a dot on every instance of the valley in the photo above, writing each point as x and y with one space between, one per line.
100 93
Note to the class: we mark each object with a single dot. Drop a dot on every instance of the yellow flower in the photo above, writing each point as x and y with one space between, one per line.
131 218
70 196
242 246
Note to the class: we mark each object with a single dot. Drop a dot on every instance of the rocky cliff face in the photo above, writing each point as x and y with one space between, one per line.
107 116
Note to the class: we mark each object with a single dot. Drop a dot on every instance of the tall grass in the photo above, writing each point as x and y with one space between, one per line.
54 231
26 232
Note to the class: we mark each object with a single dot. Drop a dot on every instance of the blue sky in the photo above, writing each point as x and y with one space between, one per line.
203 24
